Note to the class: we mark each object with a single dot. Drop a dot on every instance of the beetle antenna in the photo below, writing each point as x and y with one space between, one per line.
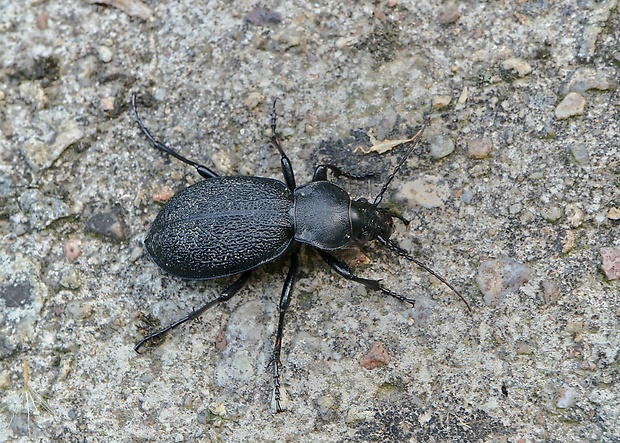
401 252
414 142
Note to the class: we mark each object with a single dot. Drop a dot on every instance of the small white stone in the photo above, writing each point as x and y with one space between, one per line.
518 66
105 54
441 101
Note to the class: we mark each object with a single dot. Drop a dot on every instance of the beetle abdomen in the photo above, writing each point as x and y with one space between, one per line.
222 226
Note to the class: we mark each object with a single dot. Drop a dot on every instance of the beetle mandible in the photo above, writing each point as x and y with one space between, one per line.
225 226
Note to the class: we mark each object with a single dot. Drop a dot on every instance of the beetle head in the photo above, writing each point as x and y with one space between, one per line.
369 222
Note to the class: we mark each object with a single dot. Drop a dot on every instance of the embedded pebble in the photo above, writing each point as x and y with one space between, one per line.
428 191
353 255
289 37
613 214
573 104
73 248
42 21
515 208
441 101
42 211
260 16
218 409
34 94
574 215
580 153
325 403
345 42
86 70
105 54
500 277
610 262
518 66
441 146
6 127
479 148
551 213
82 308
464 96
566 398
467 195
106 104
41 154
70 279
567 239
220 341
523 348
587 78
450 16
254 99
22 296
376 357
109 224
162 194
134 8
356 414
551 291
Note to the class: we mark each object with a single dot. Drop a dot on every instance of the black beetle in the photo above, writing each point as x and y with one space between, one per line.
224 226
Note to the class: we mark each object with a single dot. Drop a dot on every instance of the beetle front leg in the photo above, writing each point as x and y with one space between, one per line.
226 295
343 269
320 173
285 301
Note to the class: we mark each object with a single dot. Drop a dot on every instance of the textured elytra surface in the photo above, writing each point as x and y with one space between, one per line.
222 226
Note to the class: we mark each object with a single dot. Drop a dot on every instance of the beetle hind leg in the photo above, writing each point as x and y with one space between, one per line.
226 295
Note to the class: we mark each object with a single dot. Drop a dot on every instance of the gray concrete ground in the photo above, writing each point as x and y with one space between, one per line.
513 196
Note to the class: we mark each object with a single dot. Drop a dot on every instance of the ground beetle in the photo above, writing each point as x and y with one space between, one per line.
225 226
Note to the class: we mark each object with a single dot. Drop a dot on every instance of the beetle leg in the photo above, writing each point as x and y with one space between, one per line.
285 301
226 295
287 167
201 169
320 173
343 269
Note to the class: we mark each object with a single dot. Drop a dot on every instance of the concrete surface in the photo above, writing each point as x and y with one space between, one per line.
512 196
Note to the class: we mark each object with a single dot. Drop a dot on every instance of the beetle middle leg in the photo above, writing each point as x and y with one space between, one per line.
226 295
285 301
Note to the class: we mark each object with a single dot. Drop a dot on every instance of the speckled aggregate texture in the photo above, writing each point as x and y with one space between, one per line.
510 172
